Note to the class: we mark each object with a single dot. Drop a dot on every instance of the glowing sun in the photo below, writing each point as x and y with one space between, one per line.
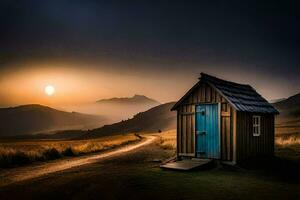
49 90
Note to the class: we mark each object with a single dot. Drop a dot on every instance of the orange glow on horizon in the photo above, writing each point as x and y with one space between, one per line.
80 83
75 86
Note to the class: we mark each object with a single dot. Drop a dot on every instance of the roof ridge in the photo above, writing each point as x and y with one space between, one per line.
243 97
203 75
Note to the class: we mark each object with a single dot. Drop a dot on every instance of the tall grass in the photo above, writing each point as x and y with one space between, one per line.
288 146
14 153
288 139
167 140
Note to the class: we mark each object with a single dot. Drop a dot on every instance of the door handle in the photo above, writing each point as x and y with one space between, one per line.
200 132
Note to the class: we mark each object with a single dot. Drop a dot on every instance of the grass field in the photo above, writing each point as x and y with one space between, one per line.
18 152
137 175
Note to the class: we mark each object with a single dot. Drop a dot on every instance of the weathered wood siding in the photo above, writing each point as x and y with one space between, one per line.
186 121
249 145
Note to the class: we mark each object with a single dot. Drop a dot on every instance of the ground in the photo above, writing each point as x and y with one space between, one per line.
136 175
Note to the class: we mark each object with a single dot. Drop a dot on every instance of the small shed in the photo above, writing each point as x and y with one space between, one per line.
219 119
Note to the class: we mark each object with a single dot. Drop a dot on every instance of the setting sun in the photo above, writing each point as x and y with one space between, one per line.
49 90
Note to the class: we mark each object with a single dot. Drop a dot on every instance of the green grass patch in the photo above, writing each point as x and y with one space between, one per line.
217 183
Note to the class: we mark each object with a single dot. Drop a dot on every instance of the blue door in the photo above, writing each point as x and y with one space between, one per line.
207 131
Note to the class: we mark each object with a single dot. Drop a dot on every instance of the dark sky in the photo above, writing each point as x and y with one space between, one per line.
255 37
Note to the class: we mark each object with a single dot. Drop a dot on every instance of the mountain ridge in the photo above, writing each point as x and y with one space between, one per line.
293 100
289 110
36 118
134 99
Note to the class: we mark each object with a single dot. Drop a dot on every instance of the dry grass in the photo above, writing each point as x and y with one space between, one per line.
16 152
288 139
168 140
288 146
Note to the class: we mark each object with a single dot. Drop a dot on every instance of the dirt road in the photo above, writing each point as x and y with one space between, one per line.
15 175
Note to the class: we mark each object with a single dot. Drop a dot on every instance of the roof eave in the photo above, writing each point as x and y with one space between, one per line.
184 96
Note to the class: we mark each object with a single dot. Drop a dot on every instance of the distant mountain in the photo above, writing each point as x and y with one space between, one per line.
289 103
136 99
289 117
118 109
158 118
30 119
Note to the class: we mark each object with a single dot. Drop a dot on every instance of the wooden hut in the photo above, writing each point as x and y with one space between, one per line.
219 119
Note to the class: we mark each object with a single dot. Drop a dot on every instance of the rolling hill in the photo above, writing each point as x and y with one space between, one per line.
161 118
30 119
289 103
289 109
288 121
34 118
152 120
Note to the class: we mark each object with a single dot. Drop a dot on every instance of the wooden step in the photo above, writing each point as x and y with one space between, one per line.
187 164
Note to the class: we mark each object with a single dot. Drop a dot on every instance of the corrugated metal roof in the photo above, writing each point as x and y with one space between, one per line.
242 97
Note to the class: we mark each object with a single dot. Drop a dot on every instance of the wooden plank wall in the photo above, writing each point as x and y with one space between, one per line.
249 145
186 121
186 130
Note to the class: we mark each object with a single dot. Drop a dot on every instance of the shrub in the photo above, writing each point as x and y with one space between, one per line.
68 152
11 158
20 158
51 153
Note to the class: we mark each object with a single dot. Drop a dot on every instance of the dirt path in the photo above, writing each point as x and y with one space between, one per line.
11 176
